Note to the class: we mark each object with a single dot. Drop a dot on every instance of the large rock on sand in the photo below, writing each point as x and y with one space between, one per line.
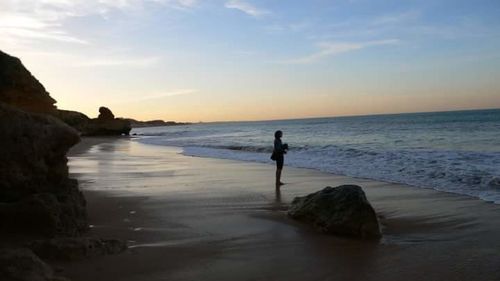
342 210
36 194
107 125
21 89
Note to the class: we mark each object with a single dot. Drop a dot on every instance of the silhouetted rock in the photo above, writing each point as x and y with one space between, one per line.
75 119
154 123
105 114
68 249
36 194
343 210
107 125
23 265
20 89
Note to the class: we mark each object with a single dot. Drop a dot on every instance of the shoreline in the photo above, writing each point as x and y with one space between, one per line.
387 181
191 218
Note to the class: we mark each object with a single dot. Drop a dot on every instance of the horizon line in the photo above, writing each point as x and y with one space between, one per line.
342 116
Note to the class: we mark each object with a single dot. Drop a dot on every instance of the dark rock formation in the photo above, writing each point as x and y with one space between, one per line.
107 125
104 125
75 119
23 265
37 198
20 89
343 210
154 123
36 194
67 249
105 114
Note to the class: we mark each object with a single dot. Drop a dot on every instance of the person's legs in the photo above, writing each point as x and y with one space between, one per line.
279 167
278 177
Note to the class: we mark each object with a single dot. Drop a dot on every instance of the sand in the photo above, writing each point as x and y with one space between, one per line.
189 218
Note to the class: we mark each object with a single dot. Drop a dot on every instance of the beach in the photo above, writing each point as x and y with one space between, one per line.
192 218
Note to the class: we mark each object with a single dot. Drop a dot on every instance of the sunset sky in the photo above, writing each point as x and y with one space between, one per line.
211 60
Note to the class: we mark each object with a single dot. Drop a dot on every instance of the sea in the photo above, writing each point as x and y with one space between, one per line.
457 151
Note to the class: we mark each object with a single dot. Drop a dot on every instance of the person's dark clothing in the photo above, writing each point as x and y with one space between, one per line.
279 152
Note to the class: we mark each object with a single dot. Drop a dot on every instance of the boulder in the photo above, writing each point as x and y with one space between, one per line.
23 265
21 89
36 193
342 210
68 249
105 114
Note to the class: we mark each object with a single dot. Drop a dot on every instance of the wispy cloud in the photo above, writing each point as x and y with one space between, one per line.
395 19
246 8
34 20
328 49
172 93
134 62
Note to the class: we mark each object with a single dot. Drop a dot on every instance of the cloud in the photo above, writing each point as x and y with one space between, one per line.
328 49
172 93
246 8
28 21
135 62
395 19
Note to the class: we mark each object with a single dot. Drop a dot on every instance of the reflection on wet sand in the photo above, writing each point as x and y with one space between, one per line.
207 219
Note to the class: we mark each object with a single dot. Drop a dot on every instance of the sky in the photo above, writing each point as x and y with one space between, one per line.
221 60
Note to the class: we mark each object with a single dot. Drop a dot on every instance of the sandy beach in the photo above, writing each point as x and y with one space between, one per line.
189 218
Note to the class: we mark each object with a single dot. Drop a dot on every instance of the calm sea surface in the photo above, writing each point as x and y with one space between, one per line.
450 151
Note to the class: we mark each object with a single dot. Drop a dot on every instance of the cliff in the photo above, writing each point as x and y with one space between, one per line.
37 197
21 89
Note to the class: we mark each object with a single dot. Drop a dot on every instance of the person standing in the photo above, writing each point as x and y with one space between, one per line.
278 155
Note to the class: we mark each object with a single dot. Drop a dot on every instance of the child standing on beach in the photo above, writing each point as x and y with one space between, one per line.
279 155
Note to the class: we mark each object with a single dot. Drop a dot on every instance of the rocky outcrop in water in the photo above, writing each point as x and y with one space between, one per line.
342 210
21 89
36 194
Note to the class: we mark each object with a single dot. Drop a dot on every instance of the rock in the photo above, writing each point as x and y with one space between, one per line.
343 210
23 265
107 125
116 127
154 123
36 194
21 89
104 125
67 249
77 120
105 114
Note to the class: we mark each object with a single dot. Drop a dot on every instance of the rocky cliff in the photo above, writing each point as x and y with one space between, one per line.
36 194
21 89
38 200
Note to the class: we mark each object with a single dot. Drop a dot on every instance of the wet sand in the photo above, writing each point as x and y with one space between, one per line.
189 218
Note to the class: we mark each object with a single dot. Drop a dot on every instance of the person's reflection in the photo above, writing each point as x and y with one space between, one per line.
277 204
277 200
